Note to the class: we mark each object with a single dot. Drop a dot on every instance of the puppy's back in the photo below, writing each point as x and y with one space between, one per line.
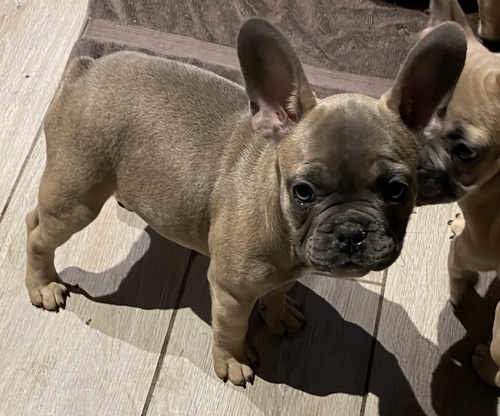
148 125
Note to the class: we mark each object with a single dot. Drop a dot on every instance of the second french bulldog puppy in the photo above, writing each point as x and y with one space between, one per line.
463 164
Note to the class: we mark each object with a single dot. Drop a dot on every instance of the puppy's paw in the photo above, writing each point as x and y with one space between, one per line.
457 225
287 318
485 366
50 297
238 371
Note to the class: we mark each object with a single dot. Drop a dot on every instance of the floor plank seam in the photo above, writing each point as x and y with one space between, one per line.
21 172
163 352
374 342
83 30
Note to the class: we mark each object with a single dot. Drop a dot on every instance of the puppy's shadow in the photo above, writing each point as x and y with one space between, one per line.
332 356
454 373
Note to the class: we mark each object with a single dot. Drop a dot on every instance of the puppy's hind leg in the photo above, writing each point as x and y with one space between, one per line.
486 358
65 206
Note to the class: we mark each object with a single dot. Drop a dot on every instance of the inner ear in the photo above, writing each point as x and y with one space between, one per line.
273 75
421 96
274 78
274 87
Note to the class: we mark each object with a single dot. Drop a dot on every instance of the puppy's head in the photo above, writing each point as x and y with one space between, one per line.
347 163
465 151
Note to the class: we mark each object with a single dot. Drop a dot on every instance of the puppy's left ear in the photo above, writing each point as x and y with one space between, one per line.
274 78
428 77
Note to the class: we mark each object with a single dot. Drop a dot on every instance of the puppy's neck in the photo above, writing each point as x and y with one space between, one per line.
487 195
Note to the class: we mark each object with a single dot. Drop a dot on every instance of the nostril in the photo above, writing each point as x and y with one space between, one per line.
350 239
358 239
343 242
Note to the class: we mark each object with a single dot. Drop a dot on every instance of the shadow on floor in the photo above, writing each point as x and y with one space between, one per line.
456 388
324 360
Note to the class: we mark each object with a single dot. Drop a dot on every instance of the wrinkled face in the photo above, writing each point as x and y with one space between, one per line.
456 164
348 186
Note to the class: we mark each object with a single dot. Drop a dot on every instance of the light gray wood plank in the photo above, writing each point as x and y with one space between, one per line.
319 372
373 278
418 326
130 279
99 355
35 42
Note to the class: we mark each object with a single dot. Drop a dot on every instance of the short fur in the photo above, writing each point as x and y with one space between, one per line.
463 163
270 190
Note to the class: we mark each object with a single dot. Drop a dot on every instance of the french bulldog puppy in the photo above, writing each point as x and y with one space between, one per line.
269 181
463 164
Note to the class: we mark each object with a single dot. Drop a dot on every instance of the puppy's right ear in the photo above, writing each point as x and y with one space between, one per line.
428 77
275 82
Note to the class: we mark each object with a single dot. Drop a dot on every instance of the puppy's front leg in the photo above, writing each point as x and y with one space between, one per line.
232 304
462 277
486 359
282 314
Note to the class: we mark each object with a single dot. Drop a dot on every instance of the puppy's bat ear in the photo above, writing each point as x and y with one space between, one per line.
274 78
427 79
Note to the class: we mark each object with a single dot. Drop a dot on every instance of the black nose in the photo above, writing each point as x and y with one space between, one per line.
350 237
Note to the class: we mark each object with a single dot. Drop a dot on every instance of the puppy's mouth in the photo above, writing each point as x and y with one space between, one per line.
435 187
378 254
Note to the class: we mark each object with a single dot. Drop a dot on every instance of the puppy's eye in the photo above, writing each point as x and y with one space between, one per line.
396 191
464 153
303 193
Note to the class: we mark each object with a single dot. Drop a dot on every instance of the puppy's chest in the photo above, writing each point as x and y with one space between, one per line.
484 237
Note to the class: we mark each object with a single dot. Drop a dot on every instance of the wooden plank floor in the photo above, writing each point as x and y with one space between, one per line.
35 41
337 341
136 338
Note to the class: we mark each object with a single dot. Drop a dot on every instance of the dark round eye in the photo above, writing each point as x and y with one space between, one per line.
303 193
464 153
396 191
